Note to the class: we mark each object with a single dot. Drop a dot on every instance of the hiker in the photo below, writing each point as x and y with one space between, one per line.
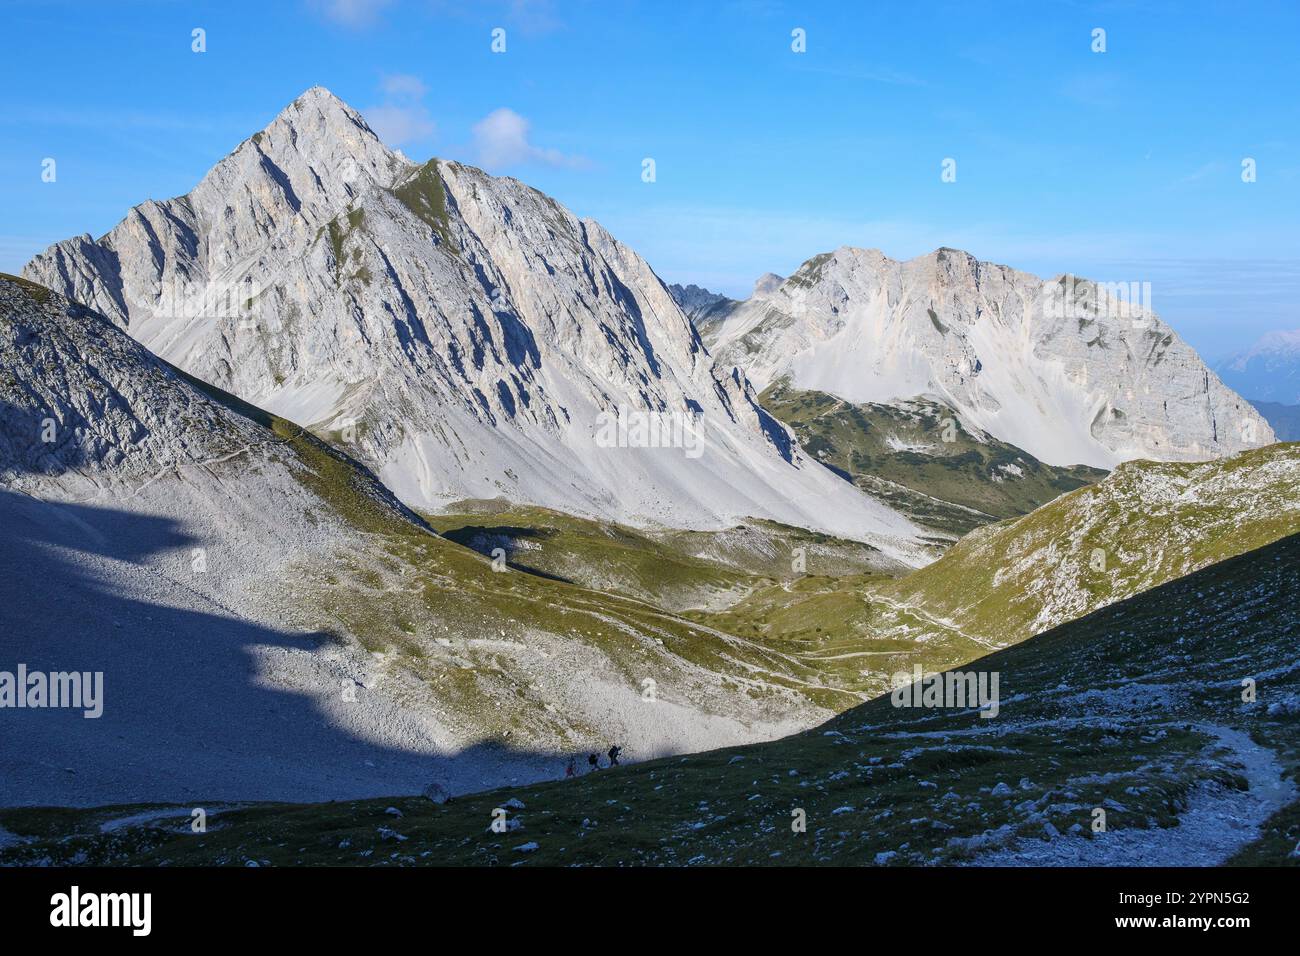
571 768
614 751
594 761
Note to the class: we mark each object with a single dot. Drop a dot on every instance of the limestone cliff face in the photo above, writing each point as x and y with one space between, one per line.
1060 368
459 332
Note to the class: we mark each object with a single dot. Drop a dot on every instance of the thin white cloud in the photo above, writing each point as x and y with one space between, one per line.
118 119
351 13
403 85
739 244
402 117
530 17
501 139
1208 169
534 16
880 74
396 123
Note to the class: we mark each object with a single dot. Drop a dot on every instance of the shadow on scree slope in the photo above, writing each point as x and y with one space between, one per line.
186 713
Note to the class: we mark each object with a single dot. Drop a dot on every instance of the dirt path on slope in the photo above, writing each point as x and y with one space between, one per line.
1217 823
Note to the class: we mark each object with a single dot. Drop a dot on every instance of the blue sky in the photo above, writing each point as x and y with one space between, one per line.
1123 165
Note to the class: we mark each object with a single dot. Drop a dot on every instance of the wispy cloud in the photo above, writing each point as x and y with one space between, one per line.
877 74
351 13
738 244
121 119
534 16
502 138
530 17
1094 89
1208 169
403 85
397 124
402 117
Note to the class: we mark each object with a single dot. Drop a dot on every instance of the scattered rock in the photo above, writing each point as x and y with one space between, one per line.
437 793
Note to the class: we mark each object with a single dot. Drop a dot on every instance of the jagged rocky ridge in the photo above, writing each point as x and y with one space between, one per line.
461 333
1060 369
706 310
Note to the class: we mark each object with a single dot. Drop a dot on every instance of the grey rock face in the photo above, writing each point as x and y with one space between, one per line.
157 531
706 310
464 334
78 398
695 299
437 793
1063 369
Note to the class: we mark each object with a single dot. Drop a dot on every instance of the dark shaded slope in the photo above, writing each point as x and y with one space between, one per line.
1136 709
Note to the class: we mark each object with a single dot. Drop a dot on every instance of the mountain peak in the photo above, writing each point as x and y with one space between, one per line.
320 101
766 284
316 114
312 160
978 336
469 334
318 93
1281 341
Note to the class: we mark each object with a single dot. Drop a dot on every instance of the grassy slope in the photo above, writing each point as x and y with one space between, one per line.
477 647
600 555
1146 524
897 453
1112 710
434 609
423 192
673 569
740 582
850 628
842 627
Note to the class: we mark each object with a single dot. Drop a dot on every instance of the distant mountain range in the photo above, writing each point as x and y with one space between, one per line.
1269 371
705 309
1283 419
1268 374
468 338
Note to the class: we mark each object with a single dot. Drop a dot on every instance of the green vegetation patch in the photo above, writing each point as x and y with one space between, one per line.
917 457
424 193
